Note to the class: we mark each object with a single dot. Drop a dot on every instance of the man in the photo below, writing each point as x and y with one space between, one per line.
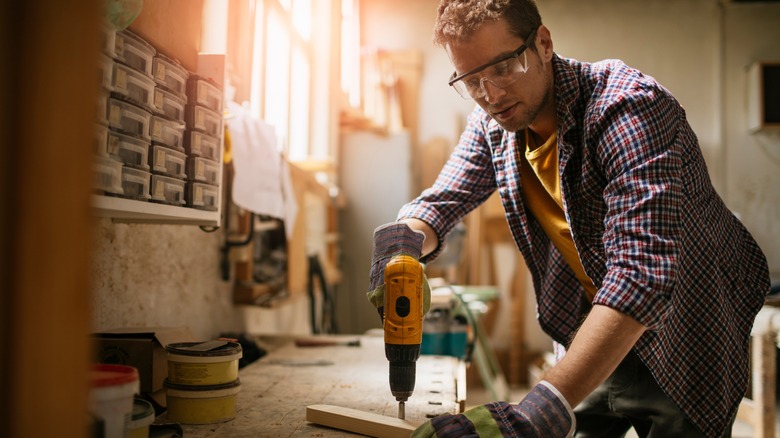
641 273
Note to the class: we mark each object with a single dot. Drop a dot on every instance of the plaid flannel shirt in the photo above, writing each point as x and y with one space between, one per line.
653 235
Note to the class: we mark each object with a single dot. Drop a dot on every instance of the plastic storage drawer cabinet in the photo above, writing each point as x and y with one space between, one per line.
134 51
128 118
202 196
168 133
167 190
204 93
135 183
170 75
131 151
198 144
108 175
168 161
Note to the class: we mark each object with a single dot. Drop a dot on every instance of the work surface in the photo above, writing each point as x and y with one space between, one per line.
276 389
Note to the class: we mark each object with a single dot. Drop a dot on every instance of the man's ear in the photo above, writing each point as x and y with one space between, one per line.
544 44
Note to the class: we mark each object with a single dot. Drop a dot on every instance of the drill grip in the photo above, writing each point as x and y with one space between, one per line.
403 319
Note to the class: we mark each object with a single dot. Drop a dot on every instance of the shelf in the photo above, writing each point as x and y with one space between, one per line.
129 210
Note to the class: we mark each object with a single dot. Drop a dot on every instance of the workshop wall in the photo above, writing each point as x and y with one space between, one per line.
168 275
159 275
751 161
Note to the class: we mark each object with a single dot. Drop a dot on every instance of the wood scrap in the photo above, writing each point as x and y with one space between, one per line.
353 420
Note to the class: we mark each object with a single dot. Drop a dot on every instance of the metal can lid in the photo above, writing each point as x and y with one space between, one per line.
209 348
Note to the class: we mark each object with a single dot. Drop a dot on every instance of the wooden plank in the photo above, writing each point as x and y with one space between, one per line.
764 375
353 420
746 411
460 387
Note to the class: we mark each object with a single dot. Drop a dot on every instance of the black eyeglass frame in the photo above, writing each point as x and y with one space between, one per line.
514 54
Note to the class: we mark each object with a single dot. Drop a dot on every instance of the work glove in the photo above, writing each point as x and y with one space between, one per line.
391 240
543 413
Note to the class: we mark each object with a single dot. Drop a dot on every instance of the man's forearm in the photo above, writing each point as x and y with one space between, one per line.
601 343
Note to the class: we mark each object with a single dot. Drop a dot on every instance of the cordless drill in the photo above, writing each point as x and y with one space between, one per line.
403 324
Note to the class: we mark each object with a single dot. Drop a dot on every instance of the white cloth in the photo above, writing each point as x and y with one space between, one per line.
261 181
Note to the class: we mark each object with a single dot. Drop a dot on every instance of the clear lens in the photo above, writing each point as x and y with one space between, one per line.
501 75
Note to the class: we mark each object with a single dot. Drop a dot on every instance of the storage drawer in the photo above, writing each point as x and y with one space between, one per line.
101 140
129 119
107 38
204 93
101 107
108 175
134 51
203 170
133 85
202 196
168 133
131 151
198 144
105 71
135 183
200 118
170 75
168 104
167 190
168 161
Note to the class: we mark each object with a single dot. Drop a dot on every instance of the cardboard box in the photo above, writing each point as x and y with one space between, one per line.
142 348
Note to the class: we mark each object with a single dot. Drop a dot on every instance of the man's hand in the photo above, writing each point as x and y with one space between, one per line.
391 240
543 413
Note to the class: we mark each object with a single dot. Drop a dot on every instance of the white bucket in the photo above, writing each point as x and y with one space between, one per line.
112 388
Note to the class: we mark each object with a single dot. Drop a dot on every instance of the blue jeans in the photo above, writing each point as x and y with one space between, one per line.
630 397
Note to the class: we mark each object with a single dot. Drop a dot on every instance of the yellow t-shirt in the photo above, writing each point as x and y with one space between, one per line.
542 196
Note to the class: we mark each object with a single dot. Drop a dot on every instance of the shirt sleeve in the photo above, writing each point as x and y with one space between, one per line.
639 147
466 181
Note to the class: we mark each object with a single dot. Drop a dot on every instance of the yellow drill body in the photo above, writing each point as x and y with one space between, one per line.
403 324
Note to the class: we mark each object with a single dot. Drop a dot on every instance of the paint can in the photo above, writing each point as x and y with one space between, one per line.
203 363
112 388
141 419
201 404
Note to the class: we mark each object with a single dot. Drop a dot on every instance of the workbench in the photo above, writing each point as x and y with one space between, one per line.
276 389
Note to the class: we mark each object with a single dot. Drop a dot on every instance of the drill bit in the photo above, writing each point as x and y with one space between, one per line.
401 410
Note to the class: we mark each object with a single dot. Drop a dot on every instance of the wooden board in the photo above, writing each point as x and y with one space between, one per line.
353 420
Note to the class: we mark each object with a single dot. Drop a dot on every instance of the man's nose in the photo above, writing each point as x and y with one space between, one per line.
492 92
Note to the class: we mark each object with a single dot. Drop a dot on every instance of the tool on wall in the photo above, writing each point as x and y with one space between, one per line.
225 250
403 324
323 310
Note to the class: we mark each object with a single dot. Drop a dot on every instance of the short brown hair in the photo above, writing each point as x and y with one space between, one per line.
457 20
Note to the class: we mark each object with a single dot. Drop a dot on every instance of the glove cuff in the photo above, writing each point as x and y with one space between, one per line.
548 411
395 238
562 400
390 240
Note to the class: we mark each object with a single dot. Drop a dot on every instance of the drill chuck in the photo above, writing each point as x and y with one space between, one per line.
402 360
